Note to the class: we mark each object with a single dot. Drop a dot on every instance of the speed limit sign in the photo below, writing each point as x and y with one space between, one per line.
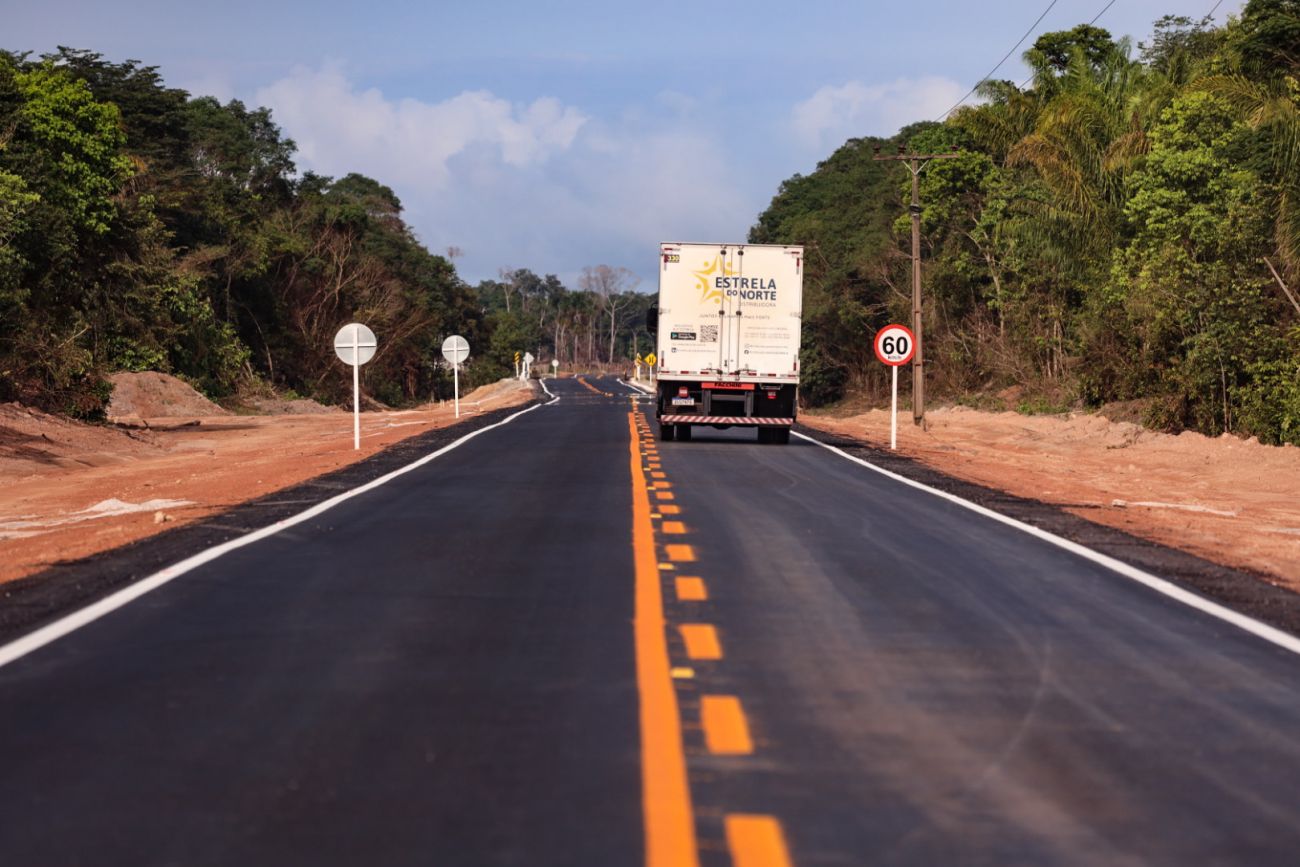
895 345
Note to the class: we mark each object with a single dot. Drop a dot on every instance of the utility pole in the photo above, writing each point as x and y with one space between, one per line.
916 163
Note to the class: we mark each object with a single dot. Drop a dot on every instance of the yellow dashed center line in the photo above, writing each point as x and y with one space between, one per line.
691 589
726 731
701 641
665 792
753 840
680 553
756 841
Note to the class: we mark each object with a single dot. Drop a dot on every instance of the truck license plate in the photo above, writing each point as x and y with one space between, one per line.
683 401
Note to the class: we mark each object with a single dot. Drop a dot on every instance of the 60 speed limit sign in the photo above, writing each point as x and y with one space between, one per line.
895 345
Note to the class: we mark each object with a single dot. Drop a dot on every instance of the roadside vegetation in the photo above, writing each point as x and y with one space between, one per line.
1109 233
142 228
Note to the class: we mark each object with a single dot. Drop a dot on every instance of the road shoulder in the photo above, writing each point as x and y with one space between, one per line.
1249 593
32 601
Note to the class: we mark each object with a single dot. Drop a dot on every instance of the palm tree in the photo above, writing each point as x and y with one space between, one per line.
1090 130
1273 108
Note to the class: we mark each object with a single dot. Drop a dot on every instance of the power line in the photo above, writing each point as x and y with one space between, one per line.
1004 58
1092 22
1212 11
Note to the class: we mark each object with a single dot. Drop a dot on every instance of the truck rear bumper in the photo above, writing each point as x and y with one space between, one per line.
726 419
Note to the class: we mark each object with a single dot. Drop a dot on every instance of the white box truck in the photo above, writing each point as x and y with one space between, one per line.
727 325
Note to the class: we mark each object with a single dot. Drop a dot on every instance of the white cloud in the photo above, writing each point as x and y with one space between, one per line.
539 185
340 128
833 115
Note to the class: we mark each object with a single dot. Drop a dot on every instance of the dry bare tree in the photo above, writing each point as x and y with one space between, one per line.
609 286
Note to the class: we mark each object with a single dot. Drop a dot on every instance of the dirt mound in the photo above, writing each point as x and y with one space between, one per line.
31 440
493 391
296 406
156 395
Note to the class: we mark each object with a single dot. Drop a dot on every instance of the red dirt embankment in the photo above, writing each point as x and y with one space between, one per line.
68 490
1228 500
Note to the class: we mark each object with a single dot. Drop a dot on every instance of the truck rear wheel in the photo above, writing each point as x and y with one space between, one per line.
777 436
683 433
666 433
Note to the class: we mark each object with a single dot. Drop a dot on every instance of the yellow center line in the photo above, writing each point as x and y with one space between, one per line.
671 510
756 841
674 528
701 641
726 731
665 793
690 588
664 495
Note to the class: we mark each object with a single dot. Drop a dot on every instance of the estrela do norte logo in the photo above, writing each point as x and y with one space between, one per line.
717 279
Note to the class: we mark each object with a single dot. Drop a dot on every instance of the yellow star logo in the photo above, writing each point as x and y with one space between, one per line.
705 284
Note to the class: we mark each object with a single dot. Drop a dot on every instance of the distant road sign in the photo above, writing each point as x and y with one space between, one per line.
895 345
650 359
555 363
455 349
355 338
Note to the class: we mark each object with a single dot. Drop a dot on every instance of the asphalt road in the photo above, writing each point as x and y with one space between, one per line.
563 644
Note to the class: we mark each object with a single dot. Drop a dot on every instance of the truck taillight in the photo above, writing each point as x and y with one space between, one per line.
771 395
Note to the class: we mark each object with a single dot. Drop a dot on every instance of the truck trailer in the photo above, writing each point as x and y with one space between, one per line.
727 326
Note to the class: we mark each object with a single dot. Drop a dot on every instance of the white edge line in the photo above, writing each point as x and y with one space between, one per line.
635 386
1160 585
51 632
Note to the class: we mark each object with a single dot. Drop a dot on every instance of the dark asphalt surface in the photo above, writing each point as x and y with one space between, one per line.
443 672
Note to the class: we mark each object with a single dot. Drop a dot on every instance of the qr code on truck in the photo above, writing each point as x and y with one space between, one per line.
708 334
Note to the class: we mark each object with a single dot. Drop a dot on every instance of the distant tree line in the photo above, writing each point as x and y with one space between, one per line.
601 324
1120 228
142 228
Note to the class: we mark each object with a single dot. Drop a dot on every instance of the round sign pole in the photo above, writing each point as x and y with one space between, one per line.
356 389
355 344
895 346
893 411
455 349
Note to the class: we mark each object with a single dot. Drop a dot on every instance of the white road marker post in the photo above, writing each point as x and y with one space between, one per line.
455 349
355 344
895 346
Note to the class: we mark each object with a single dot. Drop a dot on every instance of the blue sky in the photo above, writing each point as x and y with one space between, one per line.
557 135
